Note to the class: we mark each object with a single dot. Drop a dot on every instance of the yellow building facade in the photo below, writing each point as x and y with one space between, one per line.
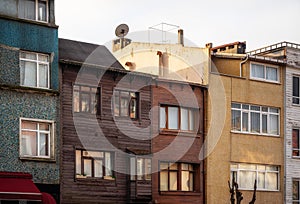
245 132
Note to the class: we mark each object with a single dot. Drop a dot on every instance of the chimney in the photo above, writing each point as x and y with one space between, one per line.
180 37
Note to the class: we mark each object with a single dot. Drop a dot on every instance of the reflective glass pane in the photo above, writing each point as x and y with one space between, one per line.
132 168
296 86
245 121
255 122
78 161
29 125
44 147
162 118
85 102
124 103
108 164
42 11
43 75
27 9
184 119
116 103
185 181
274 129
164 181
236 105
28 73
272 74
236 120
98 170
44 126
87 167
173 181
264 124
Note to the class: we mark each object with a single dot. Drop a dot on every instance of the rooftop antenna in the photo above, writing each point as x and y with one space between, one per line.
121 31
164 28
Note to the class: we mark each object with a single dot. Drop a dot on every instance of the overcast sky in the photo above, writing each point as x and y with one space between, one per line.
258 22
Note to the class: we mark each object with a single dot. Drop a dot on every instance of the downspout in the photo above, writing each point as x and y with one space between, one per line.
242 62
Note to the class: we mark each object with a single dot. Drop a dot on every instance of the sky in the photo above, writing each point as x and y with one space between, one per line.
258 22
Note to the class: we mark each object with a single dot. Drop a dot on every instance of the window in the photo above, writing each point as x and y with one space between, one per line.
176 176
177 118
264 72
86 99
96 164
140 168
36 10
296 191
296 143
254 119
267 177
34 70
296 90
126 104
36 138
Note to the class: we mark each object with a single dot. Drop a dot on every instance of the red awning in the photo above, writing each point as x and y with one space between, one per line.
18 186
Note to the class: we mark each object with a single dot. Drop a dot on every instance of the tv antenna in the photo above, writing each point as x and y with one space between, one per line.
121 31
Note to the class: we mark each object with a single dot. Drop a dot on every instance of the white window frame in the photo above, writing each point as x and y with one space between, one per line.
298 181
249 111
256 170
36 10
265 73
295 97
37 62
50 138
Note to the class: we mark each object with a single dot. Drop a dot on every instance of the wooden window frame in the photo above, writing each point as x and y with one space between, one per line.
144 176
131 98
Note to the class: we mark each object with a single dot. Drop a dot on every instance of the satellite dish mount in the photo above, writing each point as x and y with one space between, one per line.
121 31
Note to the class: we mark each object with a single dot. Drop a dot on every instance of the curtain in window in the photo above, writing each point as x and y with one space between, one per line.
132 168
78 161
44 144
42 12
246 179
271 181
272 74
27 9
184 119
274 124
173 117
236 120
255 122
43 75
163 180
173 181
257 71
108 164
98 171
28 73
87 167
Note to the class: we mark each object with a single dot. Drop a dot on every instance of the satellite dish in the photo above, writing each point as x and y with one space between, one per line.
122 30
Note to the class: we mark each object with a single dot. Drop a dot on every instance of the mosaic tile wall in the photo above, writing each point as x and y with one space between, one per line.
28 105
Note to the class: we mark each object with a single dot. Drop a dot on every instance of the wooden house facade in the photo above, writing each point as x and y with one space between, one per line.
105 128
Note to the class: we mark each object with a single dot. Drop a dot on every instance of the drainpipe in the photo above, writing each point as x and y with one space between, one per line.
242 62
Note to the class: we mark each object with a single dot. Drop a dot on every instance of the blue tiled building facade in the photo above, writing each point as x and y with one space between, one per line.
29 91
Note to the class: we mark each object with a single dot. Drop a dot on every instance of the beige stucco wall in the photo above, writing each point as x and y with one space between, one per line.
228 147
185 63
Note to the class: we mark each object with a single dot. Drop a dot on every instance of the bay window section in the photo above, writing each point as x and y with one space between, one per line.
254 119
296 90
177 118
97 164
267 176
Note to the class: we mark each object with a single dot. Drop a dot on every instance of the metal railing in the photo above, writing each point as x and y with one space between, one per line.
274 47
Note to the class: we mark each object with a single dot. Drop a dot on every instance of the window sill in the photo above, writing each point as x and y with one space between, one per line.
178 133
29 89
254 134
260 190
95 181
42 23
38 159
296 157
180 193
265 81
295 105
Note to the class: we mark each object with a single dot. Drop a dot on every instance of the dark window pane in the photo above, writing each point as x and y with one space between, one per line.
296 86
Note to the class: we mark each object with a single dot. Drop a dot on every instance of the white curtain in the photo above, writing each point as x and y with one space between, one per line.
173 118
272 74
28 73
162 117
184 119
27 9
257 71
